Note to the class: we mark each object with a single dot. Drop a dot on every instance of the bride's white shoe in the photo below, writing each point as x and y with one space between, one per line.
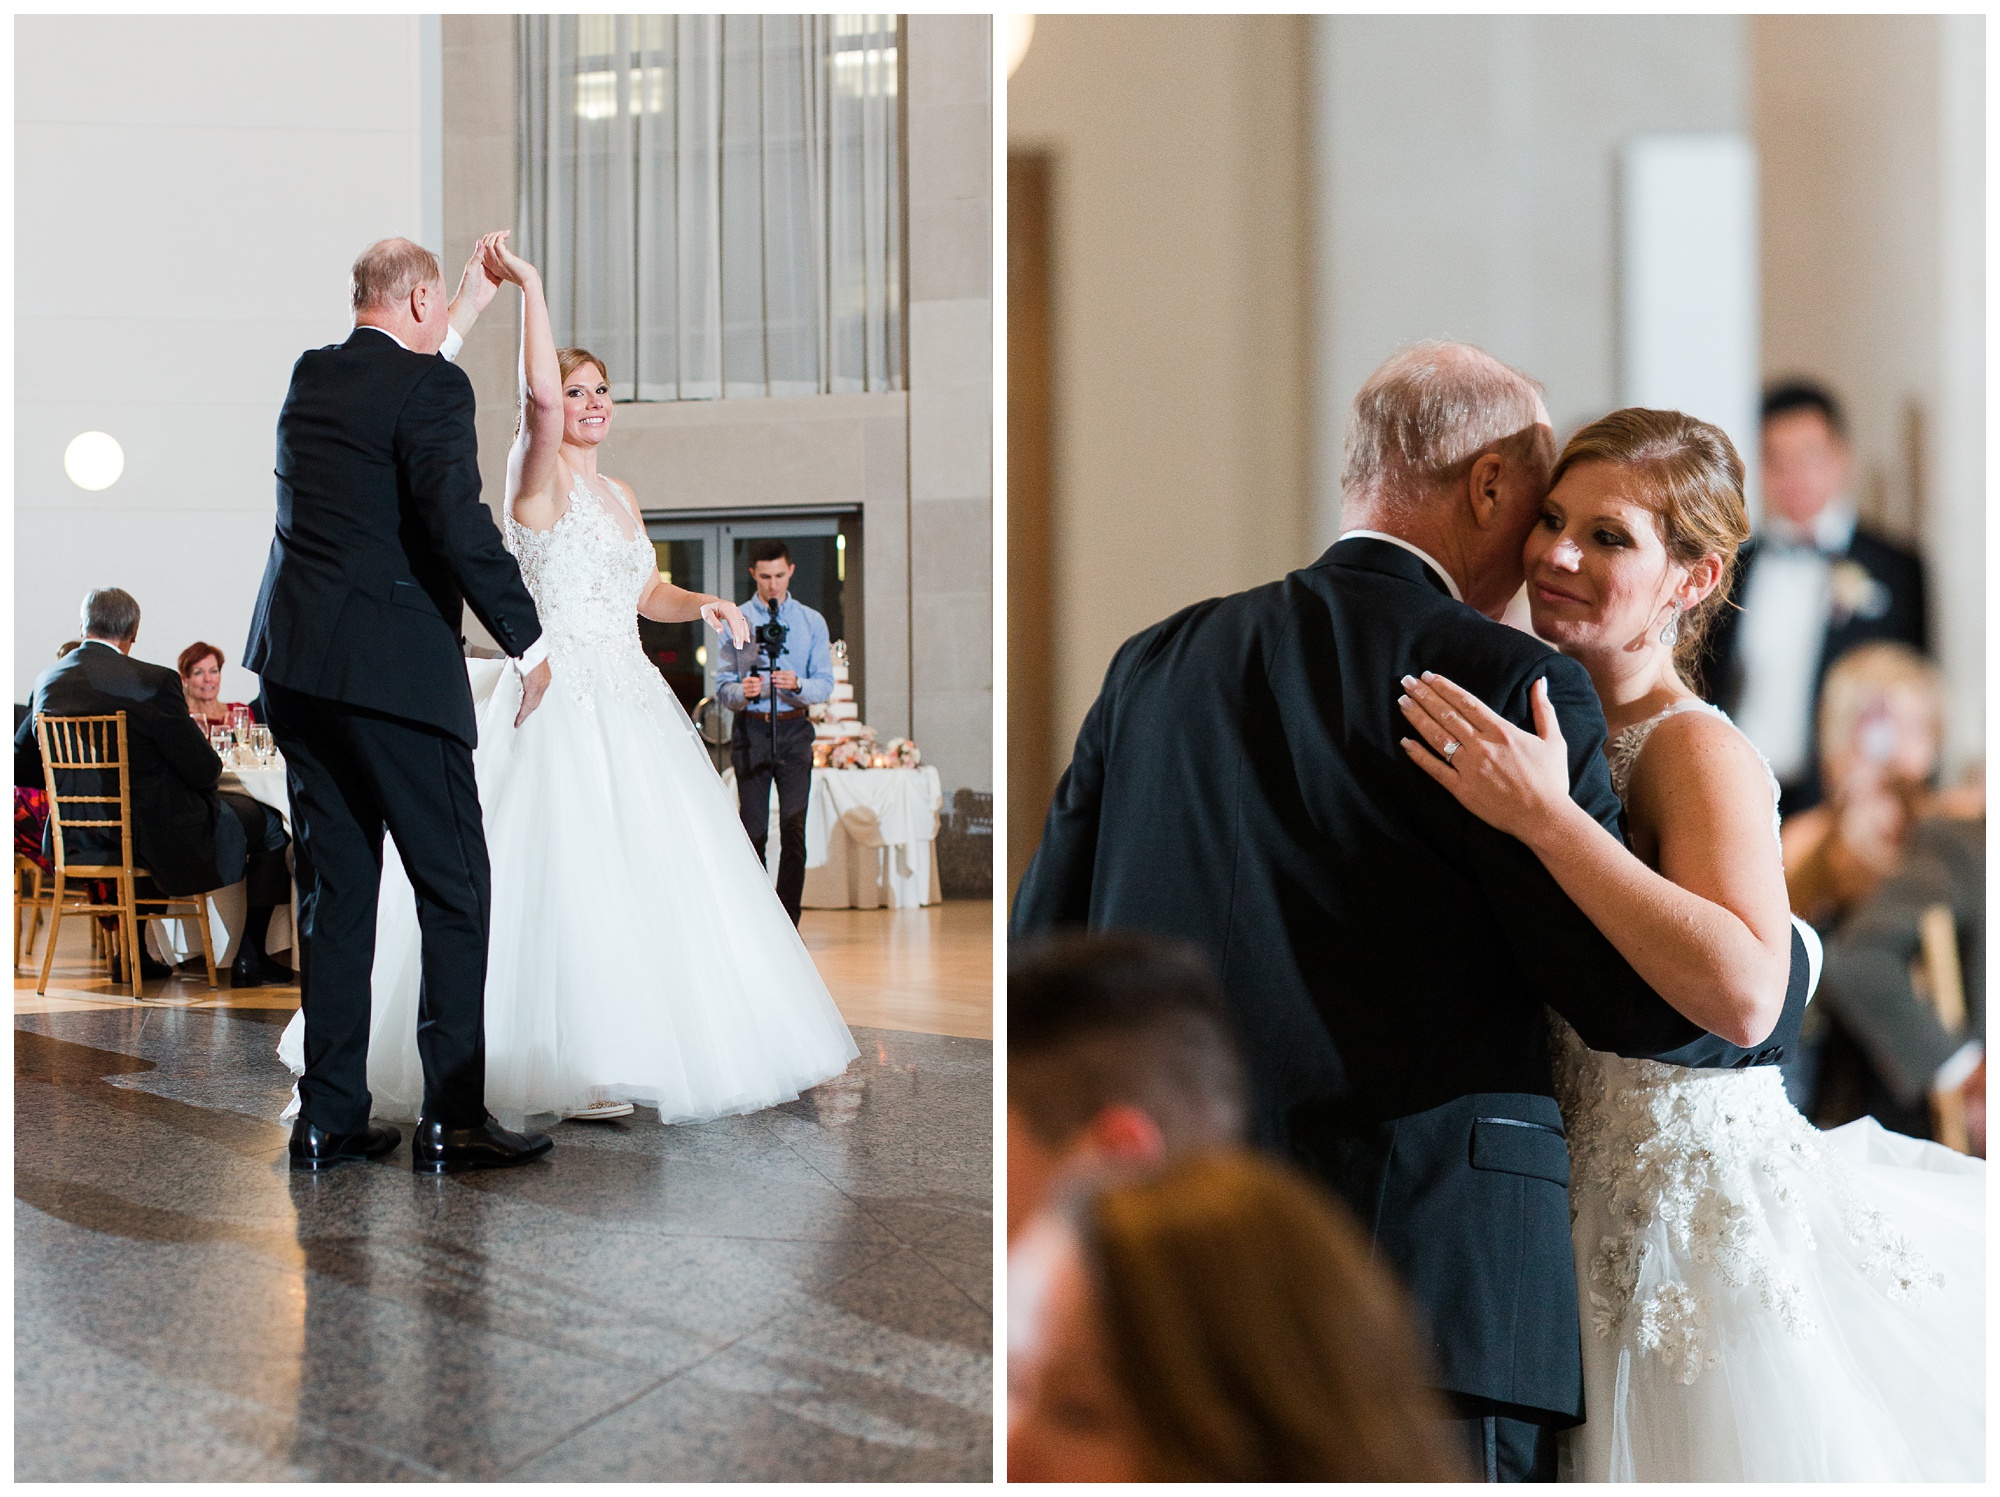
601 1112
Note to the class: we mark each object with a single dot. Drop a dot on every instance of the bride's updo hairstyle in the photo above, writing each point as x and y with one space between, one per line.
1693 480
569 360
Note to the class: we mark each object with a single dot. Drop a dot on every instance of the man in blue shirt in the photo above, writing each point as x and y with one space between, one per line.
803 676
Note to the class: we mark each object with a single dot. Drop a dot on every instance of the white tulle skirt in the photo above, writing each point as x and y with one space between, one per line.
1819 1366
638 952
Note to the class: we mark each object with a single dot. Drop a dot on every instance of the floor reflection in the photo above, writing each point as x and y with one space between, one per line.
804 1294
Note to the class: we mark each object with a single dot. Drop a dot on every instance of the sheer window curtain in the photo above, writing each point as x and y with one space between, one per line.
715 202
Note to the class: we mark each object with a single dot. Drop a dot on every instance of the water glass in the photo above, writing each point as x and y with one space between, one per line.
218 739
260 744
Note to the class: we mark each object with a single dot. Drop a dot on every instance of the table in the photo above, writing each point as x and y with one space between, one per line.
175 941
869 837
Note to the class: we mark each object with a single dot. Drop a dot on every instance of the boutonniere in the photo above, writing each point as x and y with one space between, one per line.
1857 593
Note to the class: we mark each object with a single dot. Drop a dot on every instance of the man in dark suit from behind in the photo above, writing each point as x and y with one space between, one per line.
191 837
1239 783
382 539
1812 583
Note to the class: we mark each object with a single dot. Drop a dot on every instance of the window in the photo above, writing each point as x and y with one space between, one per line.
715 202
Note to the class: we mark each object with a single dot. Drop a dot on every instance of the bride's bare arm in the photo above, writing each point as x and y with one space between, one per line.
531 464
1710 931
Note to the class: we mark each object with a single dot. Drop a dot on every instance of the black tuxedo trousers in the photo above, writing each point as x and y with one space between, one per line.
353 774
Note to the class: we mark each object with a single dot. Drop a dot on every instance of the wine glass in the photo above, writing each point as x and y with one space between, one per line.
260 744
218 739
239 723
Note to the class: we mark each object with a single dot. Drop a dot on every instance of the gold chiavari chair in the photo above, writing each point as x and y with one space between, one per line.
92 752
31 903
1939 980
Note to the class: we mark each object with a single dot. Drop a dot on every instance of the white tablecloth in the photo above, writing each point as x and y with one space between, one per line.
177 941
869 837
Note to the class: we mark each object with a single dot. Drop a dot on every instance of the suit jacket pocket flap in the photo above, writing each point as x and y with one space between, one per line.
409 595
1520 1149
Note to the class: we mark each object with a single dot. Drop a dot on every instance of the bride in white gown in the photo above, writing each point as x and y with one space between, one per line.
638 953
1761 1301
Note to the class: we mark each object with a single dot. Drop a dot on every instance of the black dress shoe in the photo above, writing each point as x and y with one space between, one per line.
150 970
438 1150
316 1149
253 969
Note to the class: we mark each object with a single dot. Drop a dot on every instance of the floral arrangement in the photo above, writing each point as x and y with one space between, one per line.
864 752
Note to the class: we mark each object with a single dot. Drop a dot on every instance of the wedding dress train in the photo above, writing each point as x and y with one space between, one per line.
637 953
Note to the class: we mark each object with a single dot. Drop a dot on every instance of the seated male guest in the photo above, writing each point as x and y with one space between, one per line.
192 838
803 676
1813 584
1119 1054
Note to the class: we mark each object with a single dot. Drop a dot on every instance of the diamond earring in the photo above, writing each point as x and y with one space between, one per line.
1670 635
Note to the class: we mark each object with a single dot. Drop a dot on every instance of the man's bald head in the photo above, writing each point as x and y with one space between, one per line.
389 270
1422 419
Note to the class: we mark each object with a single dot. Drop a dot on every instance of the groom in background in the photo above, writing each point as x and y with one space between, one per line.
1238 784
381 540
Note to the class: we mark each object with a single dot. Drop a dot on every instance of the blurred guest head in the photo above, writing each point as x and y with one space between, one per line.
66 646
1633 552
1806 460
112 615
1219 1321
201 676
397 286
1882 707
1118 1051
1449 449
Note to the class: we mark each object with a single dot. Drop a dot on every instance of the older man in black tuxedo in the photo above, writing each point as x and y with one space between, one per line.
382 539
189 836
1238 783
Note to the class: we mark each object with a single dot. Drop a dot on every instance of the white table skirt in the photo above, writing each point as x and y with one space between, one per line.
177 941
870 836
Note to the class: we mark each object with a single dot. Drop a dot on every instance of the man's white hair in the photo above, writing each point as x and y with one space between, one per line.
1422 418
389 270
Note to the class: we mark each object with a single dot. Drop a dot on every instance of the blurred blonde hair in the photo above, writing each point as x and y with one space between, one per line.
1862 677
1253 1333
1694 480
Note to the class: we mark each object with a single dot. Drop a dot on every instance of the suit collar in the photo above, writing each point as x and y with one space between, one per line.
1373 551
362 328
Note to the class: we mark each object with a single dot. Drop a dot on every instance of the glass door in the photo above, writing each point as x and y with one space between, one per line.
710 553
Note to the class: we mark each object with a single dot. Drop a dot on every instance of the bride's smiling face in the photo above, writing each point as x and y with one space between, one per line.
1598 572
586 406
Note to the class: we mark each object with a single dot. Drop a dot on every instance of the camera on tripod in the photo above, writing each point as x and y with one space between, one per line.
770 639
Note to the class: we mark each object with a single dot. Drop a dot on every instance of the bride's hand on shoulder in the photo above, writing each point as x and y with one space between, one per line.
1510 779
725 618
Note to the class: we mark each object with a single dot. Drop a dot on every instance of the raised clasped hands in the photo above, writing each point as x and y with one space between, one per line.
502 263
476 285
724 617
1510 779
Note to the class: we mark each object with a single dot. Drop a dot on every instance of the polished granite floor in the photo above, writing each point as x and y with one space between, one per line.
804 1294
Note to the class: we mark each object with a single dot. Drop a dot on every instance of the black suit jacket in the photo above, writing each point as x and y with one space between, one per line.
1905 619
1388 955
173 775
382 538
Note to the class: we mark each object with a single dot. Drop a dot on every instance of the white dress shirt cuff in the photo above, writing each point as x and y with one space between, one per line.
1955 1072
452 344
533 656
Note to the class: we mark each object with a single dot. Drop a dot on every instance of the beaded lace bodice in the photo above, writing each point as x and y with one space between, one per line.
587 574
1707 1156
